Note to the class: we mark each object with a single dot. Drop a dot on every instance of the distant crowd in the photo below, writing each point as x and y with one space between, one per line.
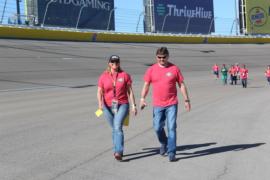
235 73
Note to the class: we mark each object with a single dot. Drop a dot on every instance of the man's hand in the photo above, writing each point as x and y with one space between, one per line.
187 105
142 103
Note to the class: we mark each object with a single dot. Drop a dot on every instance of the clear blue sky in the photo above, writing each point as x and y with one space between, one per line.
128 11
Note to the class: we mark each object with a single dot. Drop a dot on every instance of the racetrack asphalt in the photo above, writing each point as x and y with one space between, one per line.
48 129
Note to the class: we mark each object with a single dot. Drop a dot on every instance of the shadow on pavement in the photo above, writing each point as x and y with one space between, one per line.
146 152
222 149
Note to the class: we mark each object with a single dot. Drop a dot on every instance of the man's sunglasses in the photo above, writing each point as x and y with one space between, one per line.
161 57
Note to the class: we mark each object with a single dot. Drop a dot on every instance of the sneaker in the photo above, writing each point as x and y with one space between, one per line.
117 156
163 149
172 157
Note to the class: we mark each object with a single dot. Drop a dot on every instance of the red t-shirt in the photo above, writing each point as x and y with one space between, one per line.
267 73
164 81
232 71
215 68
243 73
237 68
122 80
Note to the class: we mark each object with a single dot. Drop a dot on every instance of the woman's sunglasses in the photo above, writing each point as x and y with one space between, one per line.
115 61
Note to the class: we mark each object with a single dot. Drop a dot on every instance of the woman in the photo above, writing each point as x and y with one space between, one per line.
114 88
215 70
267 74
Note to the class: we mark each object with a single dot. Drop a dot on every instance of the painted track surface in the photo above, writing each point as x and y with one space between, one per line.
48 129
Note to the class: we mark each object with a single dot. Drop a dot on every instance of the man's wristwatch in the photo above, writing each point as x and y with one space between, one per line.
187 100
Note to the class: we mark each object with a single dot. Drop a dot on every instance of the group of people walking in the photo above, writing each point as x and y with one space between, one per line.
115 97
236 73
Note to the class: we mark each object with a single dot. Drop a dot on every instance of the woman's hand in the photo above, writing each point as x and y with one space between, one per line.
134 110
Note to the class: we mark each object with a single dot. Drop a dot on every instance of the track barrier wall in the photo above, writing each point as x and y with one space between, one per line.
65 35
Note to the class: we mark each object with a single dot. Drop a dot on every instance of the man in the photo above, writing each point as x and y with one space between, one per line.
164 76
224 74
237 68
244 75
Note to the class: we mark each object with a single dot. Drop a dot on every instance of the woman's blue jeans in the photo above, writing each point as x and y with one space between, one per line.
161 116
116 123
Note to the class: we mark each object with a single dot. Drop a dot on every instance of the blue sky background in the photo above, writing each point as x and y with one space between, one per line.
128 19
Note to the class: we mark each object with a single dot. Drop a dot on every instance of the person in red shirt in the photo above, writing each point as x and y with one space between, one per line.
233 74
114 92
215 70
237 68
244 75
267 74
164 77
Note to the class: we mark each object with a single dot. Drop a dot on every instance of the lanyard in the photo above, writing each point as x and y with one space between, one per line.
114 84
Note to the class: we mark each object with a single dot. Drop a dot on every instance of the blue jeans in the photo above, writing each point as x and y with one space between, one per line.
168 114
116 123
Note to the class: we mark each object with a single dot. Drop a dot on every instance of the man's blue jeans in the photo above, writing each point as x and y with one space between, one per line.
116 123
161 116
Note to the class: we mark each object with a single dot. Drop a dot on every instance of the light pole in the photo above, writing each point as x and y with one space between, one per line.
187 24
236 19
42 25
109 21
211 24
80 15
3 13
164 20
18 12
142 13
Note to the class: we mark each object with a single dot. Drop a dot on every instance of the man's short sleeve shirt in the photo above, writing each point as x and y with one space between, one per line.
164 81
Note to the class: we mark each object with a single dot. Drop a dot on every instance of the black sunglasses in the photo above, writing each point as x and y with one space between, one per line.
161 57
116 61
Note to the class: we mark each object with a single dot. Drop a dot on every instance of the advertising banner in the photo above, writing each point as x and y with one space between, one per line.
184 16
90 14
258 16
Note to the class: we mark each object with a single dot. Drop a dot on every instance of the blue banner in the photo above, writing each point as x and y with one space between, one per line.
89 14
184 16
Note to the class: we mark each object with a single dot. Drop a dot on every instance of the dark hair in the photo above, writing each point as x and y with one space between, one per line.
162 51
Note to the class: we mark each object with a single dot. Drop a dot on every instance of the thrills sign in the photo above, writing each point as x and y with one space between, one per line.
257 16
188 16
89 14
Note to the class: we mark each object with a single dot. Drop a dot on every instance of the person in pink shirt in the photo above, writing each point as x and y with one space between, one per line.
267 74
215 70
164 77
233 75
113 94
237 68
244 75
